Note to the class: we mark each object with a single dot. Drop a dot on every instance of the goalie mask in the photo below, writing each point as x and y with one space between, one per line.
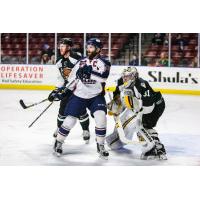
129 76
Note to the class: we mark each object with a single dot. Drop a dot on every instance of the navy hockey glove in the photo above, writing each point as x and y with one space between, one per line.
84 72
56 94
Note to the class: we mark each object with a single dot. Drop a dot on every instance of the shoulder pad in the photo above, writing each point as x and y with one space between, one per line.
58 58
120 81
76 55
107 62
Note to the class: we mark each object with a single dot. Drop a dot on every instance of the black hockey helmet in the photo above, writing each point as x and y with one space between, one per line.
66 41
95 42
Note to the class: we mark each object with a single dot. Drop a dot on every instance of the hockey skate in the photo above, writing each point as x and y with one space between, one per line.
102 152
161 151
156 153
86 136
58 148
150 155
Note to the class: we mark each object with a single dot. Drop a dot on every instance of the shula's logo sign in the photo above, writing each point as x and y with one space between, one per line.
158 76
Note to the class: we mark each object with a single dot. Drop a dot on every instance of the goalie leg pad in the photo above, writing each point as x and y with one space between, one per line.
113 141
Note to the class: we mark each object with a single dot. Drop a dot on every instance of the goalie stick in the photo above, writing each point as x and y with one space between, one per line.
148 143
121 130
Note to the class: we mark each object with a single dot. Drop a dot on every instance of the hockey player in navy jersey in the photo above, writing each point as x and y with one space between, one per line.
90 74
65 63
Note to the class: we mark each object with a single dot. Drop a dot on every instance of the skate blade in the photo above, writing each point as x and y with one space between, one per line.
103 157
149 157
57 154
163 157
87 141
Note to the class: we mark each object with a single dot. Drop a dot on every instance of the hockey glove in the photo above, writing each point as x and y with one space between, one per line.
56 94
84 72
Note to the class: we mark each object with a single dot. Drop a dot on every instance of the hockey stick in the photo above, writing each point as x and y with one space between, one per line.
148 143
24 106
40 114
66 87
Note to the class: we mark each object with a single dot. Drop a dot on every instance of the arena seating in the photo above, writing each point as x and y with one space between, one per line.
188 53
14 46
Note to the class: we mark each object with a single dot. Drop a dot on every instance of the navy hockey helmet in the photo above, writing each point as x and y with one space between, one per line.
95 42
66 41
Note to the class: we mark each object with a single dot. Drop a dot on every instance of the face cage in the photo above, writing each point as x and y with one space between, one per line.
129 79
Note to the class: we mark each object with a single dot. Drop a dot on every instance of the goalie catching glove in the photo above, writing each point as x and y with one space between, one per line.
115 106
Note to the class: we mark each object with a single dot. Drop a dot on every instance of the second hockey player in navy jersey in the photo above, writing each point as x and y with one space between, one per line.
90 74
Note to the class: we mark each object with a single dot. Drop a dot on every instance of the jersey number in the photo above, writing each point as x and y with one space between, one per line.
147 93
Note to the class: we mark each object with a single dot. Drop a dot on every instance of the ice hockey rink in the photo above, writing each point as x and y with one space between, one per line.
178 129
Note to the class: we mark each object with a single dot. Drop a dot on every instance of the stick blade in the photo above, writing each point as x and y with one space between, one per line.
22 104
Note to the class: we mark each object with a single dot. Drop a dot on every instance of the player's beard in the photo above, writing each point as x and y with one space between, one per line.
91 55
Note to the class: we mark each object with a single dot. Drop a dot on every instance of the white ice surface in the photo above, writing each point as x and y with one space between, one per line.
178 129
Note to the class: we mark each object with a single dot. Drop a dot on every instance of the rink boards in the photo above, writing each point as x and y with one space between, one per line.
44 77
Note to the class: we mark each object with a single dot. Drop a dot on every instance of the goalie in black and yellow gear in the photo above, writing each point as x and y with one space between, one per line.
138 97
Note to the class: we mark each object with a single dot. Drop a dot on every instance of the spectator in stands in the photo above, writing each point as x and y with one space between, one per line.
181 42
45 59
135 61
47 50
157 64
151 62
52 60
21 59
143 60
194 62
158 39
179 61
163 61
